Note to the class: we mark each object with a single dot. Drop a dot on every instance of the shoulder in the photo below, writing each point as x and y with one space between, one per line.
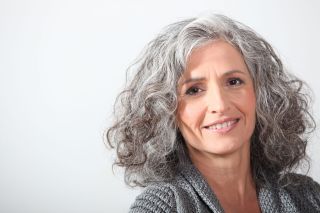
175 196
300 182
155 198
303 190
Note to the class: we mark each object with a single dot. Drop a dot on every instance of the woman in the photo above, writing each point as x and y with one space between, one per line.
211 122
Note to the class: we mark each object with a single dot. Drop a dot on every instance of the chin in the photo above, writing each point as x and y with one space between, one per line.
225 147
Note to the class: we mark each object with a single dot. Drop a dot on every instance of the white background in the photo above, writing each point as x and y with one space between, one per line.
62 63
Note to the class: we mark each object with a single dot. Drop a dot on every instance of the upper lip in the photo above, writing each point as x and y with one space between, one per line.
220 121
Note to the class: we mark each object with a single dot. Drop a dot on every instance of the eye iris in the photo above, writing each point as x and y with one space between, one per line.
234 82
193 90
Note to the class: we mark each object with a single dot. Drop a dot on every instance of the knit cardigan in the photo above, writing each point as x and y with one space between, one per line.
189 193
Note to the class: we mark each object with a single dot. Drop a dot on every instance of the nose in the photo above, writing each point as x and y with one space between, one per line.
217 100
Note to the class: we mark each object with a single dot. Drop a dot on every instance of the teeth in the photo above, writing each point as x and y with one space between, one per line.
221 125
225 124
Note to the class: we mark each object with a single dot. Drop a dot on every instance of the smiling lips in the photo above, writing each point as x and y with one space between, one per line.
222 127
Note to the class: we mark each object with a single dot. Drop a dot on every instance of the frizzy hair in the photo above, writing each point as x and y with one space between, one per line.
145 134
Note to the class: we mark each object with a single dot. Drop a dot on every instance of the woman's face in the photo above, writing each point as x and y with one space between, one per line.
216 108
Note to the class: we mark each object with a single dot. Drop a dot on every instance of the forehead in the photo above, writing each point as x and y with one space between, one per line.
217 56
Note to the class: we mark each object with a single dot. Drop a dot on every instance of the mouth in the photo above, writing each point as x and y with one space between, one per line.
222 126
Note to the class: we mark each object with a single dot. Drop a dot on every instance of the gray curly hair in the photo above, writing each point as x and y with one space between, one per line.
145 134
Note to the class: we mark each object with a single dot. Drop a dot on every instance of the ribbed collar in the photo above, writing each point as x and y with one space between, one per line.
193 176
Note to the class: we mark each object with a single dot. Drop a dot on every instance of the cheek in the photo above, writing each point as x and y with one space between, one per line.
252 100
190 113
250 105
246 103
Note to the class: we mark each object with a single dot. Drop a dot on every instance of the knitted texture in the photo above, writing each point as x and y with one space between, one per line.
189 193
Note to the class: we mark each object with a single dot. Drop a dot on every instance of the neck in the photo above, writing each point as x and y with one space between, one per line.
227 175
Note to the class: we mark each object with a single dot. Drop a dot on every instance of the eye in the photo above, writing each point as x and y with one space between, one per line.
193 90
234 82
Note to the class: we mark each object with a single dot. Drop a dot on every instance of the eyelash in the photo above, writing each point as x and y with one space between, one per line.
191 91
194 90
238 83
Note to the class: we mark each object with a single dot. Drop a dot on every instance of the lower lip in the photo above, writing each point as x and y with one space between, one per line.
225 129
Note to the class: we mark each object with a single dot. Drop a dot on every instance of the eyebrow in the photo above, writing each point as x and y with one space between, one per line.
203 78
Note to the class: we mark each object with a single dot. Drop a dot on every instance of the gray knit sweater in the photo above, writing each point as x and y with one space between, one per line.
189 193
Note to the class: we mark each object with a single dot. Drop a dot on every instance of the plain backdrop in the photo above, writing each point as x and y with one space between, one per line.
62 63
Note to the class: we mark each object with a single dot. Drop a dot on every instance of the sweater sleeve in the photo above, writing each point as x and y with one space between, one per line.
154 199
